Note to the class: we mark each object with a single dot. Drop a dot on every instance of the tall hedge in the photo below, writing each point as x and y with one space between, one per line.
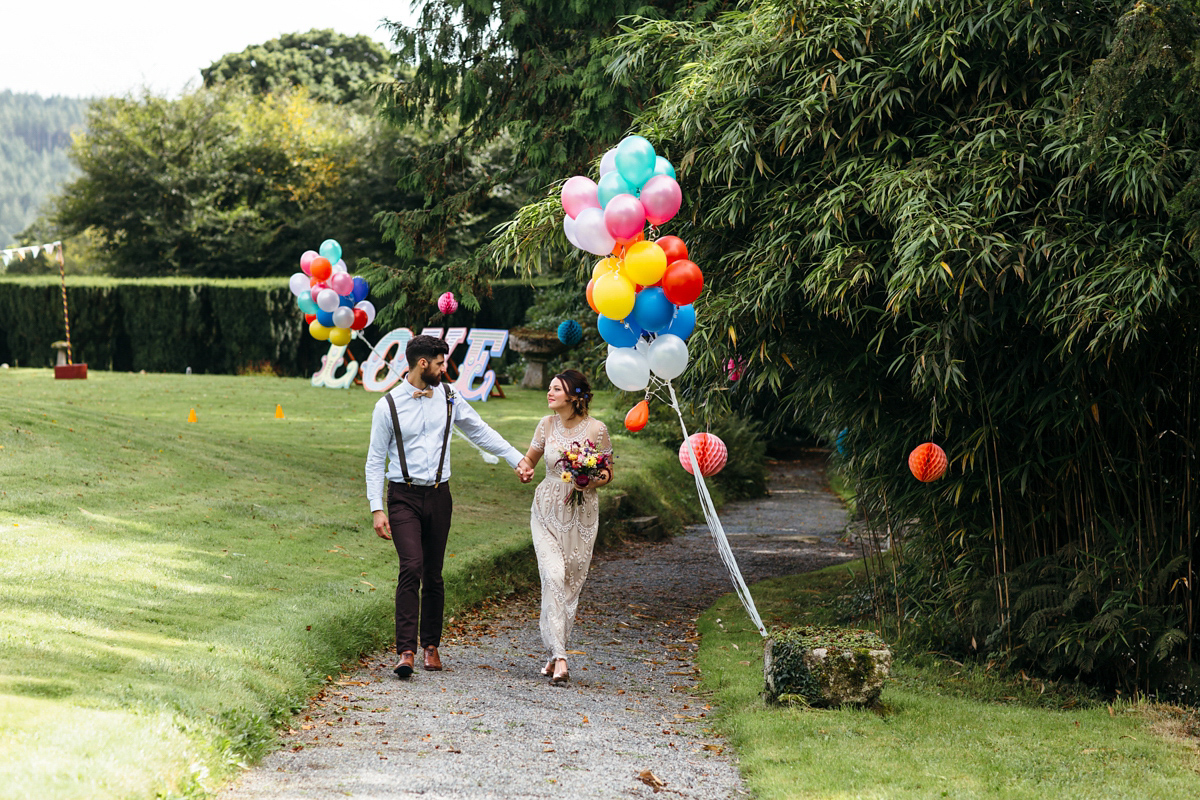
168 325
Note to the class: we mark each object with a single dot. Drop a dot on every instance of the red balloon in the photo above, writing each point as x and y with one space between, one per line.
320 268
308 318
360 320
927 462
711 454
674 247
637 417
682 282
591 302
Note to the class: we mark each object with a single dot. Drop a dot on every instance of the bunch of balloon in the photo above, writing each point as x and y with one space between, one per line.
641 290
334 303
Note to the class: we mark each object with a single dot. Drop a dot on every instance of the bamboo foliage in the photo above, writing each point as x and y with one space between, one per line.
975 224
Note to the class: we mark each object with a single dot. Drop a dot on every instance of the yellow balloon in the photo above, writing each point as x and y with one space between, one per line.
339 336
318 331
605 265
645 263
613 294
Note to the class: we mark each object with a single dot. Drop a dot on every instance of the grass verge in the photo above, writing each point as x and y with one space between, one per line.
944 730
171 591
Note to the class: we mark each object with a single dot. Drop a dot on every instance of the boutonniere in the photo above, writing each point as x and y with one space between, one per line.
450 395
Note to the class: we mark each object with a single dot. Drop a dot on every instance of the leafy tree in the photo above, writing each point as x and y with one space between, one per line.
223 182
333 67
972 223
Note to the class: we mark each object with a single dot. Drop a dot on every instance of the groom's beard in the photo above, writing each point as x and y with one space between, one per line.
432 378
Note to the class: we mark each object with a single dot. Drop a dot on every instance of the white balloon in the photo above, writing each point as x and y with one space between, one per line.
668 356
627 369
328 300
340 266
569 230
608 162
343 317
592 234
369 307
298 283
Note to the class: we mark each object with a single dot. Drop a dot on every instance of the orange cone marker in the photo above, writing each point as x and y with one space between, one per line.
278 411
192 416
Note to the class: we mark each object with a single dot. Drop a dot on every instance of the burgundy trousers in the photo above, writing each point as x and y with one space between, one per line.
420 520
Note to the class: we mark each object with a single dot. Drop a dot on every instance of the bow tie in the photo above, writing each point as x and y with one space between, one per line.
426 393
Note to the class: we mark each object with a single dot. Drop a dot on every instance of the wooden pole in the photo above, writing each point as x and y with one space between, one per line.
62 273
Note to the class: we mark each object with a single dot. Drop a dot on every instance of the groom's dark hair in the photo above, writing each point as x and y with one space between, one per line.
428 347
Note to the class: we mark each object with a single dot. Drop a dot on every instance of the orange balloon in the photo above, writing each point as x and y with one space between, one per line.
591 302
637 417
320 268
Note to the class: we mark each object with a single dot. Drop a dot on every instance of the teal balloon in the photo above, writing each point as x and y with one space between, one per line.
306 303
635 160
331 249
612 184
684 322
663 167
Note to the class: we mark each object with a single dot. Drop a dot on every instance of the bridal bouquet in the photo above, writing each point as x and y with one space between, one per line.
581 464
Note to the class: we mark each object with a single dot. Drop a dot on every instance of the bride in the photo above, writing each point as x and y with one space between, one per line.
563 532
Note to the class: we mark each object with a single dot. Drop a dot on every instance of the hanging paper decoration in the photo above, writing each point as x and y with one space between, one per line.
710 454
569 332
447 304
928 462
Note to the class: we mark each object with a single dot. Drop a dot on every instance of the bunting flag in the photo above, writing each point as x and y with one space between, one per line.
21 253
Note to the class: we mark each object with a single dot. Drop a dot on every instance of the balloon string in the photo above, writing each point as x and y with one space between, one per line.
714 523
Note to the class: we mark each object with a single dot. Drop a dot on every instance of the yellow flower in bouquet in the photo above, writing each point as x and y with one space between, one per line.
566 477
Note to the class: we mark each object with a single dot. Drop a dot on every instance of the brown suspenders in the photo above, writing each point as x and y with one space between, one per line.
400 438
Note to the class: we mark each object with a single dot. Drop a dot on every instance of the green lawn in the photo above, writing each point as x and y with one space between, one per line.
169 591
944 730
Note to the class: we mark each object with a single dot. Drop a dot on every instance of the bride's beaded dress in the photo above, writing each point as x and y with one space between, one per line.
563 533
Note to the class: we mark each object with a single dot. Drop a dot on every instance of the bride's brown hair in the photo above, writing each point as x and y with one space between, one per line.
577 388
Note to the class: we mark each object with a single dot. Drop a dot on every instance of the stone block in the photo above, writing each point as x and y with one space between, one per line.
826 667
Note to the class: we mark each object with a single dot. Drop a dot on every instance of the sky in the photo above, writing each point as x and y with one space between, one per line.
88 48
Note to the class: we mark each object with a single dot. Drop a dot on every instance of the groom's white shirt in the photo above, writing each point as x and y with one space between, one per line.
422 424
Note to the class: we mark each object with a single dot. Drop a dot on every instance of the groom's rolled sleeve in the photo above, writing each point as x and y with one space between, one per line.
472 425
377 455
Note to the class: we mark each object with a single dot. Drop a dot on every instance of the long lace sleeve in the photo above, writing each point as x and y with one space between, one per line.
539 436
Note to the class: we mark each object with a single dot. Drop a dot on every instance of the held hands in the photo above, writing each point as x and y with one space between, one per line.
524 470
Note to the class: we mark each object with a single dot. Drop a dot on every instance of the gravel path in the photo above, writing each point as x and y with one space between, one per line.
489 726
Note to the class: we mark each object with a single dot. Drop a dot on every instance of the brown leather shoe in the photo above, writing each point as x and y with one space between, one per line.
405 668
433 662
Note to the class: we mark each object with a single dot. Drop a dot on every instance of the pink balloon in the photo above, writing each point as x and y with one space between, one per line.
306 261
661 197
624 217
342 283
577 194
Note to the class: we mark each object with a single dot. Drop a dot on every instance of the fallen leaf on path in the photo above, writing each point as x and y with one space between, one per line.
716 748
653 781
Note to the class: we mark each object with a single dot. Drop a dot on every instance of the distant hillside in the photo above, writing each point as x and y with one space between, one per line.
35 137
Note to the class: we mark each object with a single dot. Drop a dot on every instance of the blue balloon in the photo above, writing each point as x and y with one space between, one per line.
612 184
361 289
346 300
618 333
652 310
569 332
663 167
684 322
325 318
635 160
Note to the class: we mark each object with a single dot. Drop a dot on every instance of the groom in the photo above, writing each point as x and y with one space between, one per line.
410 429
